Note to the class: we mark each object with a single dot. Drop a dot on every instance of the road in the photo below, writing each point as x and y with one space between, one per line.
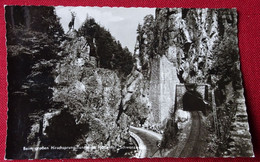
149 139
187 148
191 148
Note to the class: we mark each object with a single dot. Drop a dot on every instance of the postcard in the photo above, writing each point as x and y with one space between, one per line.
108 82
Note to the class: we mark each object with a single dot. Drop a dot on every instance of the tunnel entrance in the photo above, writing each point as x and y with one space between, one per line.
192 97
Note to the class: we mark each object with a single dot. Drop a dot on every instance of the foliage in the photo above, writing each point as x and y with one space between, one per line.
39 19
226 60
146 39
91 96
33 35
137 111
108 51
63 131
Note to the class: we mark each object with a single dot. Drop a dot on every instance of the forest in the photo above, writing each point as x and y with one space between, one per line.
80 94
36 47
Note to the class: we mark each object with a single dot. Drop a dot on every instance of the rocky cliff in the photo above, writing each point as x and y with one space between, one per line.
83 89
32 47
195 46
92 96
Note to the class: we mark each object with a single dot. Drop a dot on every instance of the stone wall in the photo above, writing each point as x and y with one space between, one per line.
168 81
196 46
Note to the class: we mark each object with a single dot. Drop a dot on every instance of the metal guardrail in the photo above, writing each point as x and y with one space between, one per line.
141 147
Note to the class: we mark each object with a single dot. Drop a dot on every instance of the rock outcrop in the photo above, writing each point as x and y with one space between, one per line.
195 46
92 95
83 89
32 49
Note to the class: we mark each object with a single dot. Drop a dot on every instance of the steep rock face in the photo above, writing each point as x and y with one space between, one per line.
195 46
92 95
135 101
158 70
168 81
33 37
187 37
154 90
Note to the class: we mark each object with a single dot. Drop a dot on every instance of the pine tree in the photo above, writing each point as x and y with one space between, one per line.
106 49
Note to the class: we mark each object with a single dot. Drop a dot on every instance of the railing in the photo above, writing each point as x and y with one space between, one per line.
141 147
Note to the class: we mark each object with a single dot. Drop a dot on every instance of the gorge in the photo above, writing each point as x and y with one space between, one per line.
82 89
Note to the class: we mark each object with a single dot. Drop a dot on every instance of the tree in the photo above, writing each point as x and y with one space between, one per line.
33 36
105 48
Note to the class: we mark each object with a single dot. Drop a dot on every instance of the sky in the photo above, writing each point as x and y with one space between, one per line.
121 22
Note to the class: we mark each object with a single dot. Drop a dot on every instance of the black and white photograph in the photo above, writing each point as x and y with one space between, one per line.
114 82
